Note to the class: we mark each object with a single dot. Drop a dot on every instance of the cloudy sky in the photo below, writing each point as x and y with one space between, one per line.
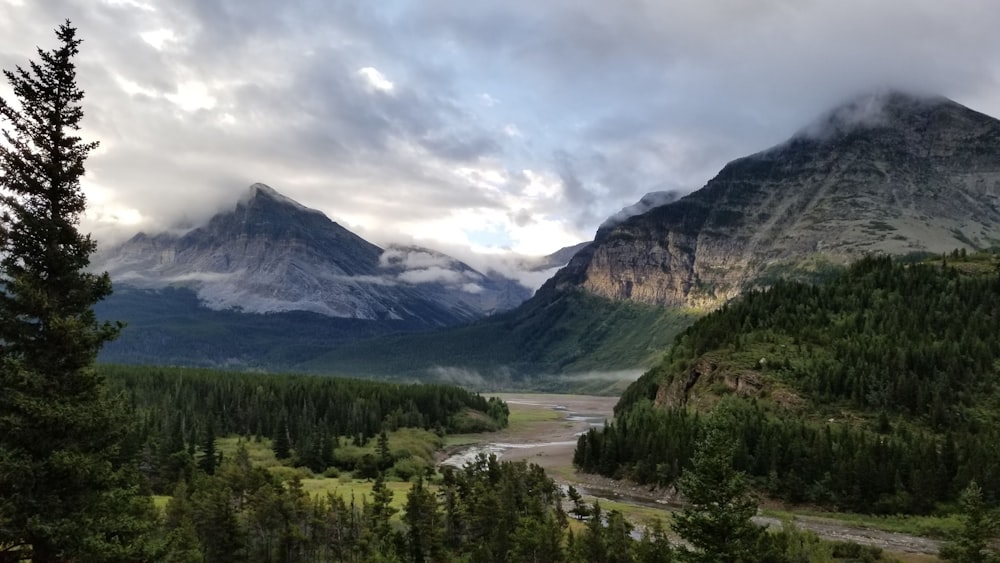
492 124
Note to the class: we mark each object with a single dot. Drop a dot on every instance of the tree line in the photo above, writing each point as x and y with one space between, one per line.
180 412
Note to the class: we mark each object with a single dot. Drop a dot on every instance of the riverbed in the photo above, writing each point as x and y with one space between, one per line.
544 430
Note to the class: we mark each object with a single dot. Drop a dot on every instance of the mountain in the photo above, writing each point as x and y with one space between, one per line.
647 202
452 283
272 262
884 173
889 173
271 254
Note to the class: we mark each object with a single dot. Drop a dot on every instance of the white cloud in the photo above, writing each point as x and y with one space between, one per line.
430 275
192 96
376 79
472 288
158 38
409 259
133 88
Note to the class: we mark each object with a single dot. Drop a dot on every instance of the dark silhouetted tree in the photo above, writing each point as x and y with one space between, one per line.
66 477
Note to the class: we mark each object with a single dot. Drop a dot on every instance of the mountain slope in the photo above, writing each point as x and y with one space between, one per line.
889 173
599 341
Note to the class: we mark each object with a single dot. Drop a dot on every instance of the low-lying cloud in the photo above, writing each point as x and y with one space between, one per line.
433 274
648 201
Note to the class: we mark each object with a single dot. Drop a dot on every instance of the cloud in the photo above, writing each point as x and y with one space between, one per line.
648 201
473 288
496 126
376 79
145 278
411 258
429 275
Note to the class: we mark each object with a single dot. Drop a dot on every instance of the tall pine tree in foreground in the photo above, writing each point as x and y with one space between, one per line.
717 519
67 488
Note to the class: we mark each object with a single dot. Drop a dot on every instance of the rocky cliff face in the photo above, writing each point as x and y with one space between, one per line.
271 254
886 173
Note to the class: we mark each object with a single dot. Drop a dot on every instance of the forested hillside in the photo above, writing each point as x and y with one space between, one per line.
876 392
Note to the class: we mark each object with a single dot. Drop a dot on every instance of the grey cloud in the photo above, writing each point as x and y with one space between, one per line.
408 259
576 195
615 99
521 217
648 201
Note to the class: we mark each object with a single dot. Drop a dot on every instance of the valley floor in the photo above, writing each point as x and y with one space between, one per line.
544 428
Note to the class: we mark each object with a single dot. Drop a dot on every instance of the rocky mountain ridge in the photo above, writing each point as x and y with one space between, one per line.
886 173
271 254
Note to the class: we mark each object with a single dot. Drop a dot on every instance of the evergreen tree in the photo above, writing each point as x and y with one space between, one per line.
716 521
425 535
209 458
64 473
181 539
282 443
381 512
655 546
382 449
580 509
979 526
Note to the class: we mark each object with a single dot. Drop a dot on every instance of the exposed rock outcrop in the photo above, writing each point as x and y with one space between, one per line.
888 173
271 254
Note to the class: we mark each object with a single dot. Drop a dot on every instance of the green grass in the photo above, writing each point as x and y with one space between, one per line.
260 452
524 416
160 502
360 490
462 439
938 527
634 513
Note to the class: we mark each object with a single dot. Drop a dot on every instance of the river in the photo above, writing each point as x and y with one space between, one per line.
545 428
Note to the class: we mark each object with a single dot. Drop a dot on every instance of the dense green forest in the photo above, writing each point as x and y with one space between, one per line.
876 392
180 412
486 512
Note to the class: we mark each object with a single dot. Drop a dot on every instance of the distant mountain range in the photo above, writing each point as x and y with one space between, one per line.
885 173
270 254
201 296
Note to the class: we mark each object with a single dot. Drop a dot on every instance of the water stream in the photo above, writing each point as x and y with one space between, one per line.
826 528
